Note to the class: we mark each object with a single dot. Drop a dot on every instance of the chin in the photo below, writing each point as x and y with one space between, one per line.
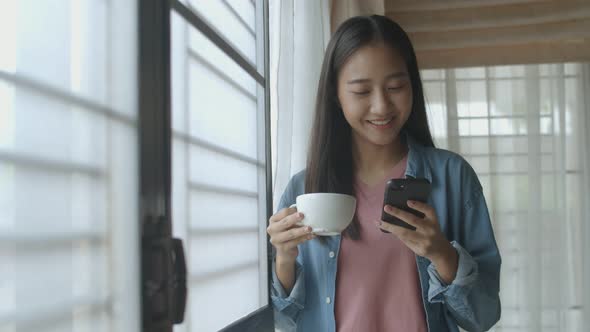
382 141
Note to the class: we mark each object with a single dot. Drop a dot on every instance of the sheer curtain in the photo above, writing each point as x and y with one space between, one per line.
299 34
524 130
69 233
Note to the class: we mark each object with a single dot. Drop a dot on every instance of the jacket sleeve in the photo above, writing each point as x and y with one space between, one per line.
472 299
287 306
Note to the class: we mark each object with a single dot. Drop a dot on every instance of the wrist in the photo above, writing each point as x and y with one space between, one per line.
284 260
447 263
446 256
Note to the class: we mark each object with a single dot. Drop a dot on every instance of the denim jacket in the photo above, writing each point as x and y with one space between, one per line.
471 301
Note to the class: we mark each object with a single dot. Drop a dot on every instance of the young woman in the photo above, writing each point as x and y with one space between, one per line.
370 126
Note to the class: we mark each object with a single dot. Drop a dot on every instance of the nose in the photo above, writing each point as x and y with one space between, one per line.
380 103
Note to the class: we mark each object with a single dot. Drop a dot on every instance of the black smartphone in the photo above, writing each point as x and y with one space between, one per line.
398 192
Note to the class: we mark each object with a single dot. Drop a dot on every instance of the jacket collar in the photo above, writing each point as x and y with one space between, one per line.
416 167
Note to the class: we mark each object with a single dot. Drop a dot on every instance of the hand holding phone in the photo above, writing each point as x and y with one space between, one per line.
397 194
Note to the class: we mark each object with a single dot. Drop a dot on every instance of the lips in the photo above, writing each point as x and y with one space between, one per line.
382 123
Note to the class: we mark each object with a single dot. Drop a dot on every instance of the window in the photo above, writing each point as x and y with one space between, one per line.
221 196
522 130
69 152
68 158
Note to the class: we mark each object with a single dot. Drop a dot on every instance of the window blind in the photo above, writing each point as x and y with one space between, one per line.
219 192
68 178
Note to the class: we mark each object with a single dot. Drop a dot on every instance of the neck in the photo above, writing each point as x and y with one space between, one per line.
375 159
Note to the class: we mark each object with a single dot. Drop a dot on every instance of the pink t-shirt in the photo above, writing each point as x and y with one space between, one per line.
377 283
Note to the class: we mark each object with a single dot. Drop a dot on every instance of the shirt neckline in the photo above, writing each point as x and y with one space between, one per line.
367 189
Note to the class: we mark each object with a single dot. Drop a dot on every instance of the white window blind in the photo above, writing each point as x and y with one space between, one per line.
219 168
68 166
523 129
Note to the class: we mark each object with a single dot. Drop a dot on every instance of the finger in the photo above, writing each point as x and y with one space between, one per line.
405 216
402 233
426 209
282 214
291 234
288 222
295 242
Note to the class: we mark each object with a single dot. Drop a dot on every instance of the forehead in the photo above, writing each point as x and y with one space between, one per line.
373 61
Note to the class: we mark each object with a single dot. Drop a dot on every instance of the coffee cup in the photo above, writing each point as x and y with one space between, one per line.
327 214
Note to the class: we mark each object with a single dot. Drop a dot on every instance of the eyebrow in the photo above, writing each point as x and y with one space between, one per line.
390 76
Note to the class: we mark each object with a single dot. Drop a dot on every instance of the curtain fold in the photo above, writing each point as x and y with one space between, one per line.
300 31
524 130
585 197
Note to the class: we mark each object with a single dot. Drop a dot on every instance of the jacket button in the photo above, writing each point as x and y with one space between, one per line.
332 254
328 300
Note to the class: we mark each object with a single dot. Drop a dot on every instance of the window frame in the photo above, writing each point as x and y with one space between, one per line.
155 157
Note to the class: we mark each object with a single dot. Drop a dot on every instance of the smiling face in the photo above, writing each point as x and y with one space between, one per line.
375 93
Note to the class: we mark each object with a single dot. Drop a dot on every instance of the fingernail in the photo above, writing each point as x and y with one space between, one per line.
299 214
410 202
308 229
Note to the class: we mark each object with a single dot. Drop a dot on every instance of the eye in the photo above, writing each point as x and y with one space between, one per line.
361 93
396 88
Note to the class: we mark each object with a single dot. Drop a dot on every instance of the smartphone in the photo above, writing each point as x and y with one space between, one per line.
398 192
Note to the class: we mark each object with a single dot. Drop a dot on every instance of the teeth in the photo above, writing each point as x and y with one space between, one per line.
381 123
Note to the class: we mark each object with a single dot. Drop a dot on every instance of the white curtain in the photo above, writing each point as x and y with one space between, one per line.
299 34
524 130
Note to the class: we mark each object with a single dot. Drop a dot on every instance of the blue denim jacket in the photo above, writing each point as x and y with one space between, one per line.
471 301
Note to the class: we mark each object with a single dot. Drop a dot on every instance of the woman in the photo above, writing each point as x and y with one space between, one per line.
370 126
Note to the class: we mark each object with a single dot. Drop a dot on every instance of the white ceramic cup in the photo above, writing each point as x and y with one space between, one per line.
327 213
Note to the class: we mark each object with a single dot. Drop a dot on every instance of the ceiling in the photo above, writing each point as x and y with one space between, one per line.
459 33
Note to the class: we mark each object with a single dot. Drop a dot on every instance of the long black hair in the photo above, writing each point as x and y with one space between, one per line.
329 162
